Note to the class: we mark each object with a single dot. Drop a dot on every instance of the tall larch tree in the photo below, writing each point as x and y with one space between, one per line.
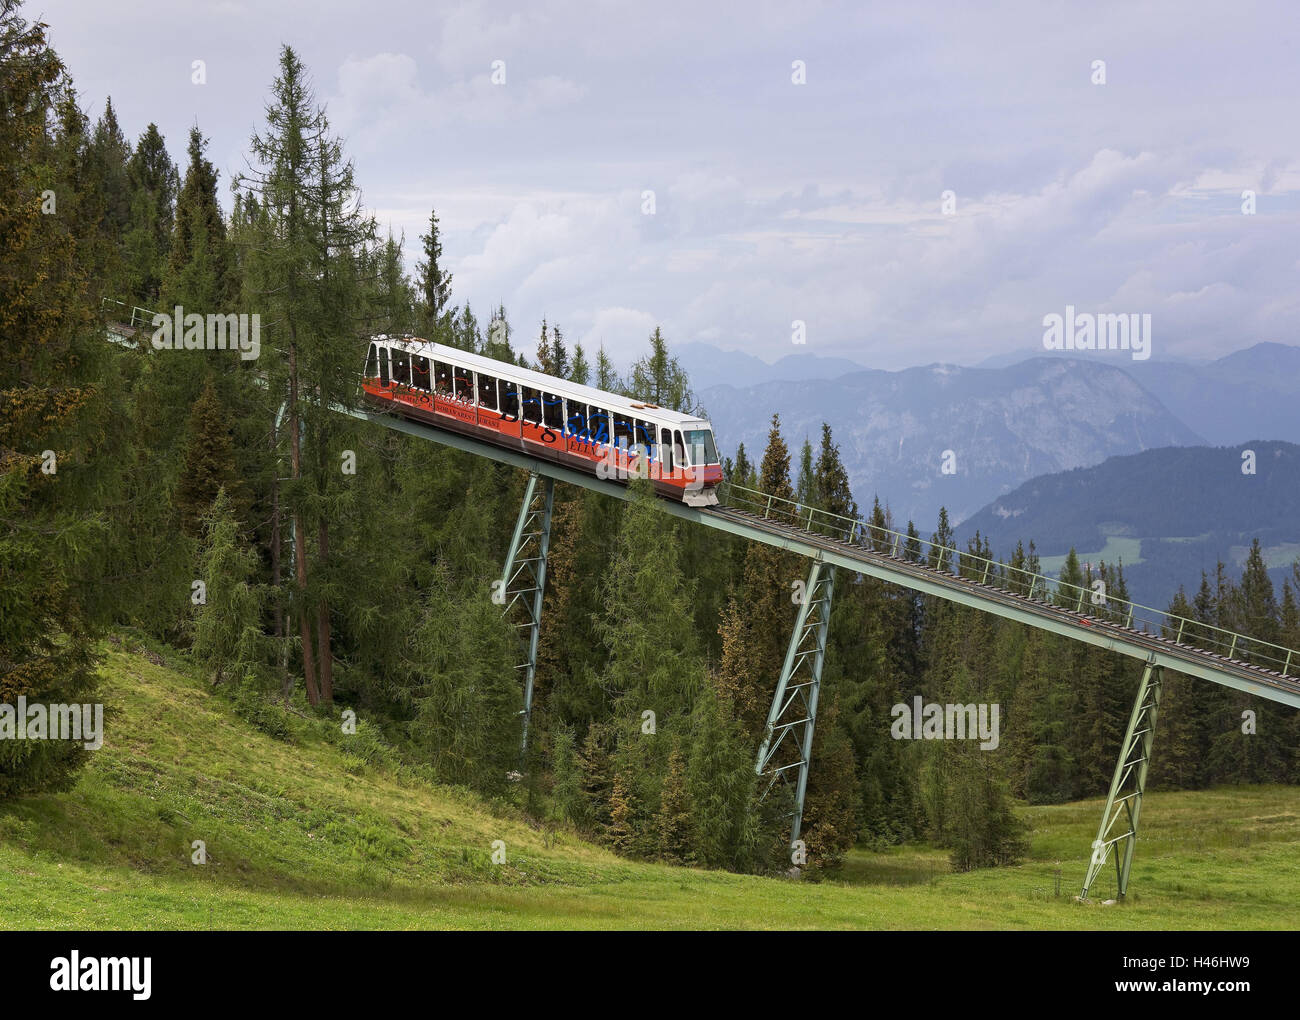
318 233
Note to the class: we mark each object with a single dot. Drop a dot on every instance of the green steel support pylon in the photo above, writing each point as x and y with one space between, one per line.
523 581
1119 822
794 707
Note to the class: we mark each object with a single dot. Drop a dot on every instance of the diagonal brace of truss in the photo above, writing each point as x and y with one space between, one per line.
788 737
523 581
1117 833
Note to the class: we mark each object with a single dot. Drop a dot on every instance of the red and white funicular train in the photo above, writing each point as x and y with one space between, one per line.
599 433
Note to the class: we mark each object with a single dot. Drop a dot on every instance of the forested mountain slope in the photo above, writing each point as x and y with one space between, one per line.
1169 513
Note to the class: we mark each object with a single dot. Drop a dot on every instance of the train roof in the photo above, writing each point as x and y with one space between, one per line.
541 381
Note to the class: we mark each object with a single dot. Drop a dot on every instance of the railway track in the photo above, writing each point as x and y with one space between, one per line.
1138 643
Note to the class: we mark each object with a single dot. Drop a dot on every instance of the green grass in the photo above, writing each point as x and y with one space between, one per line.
1274 555
304 834
1117 548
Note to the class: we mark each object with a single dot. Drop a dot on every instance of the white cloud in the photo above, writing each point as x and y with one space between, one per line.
776 202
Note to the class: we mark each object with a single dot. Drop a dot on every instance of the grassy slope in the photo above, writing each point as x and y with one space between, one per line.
303 835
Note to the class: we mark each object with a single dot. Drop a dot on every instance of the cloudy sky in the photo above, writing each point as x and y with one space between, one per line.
775 201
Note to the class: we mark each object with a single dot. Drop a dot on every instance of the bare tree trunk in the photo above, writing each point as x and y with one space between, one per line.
323 622
281 638
299 537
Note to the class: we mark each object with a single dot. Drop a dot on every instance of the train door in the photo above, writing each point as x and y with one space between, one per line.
552 420
575 427
383 366
488 415
666 462
402 368
644 447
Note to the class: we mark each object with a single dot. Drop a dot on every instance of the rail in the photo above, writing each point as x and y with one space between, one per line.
1094 603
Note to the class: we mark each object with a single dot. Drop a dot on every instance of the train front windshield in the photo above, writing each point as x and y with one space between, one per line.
701 439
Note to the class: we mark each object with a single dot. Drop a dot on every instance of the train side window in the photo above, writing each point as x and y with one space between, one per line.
464 382
552 410
532 405
442 377
679 448
383 366
509 399
402 368
372 363
420 373
487 392
645 437
622 431
666 449
598 422
577 421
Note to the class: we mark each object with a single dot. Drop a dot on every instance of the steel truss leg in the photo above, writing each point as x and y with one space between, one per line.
523 581
794 707
1127 786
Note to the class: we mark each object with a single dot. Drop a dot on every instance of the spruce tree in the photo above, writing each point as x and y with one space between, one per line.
566 774
153 185
831 480
721 785
744 470
545 360
559 353
648 610
806 486
606 375
621 834
941 551
673 820
200 267
756 624
54 416
461 683
391 296
434 283
597 777
1182 739
982 829
830 816
580 370
208 465
105 171
107 158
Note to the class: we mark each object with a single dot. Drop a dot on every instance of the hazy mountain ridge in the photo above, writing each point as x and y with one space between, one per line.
1249 394
1003 426
1179 510
710 366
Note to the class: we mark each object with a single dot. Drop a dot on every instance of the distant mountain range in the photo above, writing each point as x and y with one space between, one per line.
993 428
1004 423
1250 394
709 366
1168 514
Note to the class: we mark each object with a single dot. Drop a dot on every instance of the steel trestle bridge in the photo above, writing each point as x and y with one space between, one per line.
1158 639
